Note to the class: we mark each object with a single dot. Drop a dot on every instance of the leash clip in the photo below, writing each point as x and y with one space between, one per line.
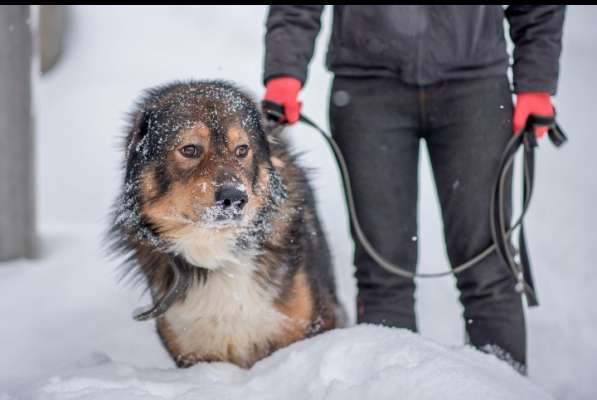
273 111
554 131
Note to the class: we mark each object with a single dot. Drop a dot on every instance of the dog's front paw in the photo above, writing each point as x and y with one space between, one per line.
186 360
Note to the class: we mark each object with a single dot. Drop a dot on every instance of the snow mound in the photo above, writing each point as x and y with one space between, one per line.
363 362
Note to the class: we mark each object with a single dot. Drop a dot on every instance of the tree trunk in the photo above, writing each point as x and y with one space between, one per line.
17 206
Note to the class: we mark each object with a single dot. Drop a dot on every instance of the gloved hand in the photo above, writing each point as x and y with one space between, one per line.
532 103
284 90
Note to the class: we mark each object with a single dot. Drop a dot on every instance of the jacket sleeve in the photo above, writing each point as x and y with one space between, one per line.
290 40
537 35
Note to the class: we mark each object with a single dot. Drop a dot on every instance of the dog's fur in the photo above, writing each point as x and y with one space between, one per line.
260 276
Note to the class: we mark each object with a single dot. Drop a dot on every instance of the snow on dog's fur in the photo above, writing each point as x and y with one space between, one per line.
205 184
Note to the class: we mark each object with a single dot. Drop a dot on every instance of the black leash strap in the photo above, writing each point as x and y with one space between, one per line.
499 229
175 291
520 266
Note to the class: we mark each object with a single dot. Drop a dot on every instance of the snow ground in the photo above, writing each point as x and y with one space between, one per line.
329 366
65 315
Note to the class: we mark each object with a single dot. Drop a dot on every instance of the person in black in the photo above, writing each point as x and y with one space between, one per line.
438 73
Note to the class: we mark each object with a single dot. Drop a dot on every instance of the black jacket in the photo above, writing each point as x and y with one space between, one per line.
421 44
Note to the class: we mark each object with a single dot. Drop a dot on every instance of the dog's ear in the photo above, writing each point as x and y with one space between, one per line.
137 130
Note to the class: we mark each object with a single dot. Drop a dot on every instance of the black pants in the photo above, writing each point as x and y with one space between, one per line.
378 123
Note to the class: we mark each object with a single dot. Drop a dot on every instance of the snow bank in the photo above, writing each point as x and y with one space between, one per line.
363 362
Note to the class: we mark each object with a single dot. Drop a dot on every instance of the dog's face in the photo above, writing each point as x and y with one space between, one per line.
204 178
199 171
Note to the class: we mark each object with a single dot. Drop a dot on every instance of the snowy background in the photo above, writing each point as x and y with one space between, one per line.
66 330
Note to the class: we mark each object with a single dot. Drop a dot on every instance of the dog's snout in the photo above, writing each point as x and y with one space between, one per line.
231 196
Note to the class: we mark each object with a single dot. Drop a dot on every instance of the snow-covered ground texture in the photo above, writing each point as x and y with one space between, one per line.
364 362
66 330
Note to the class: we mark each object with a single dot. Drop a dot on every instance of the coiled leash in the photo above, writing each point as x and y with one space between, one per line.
520 269
177 288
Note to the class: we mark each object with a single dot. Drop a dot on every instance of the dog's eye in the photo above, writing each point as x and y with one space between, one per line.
242 151
191 151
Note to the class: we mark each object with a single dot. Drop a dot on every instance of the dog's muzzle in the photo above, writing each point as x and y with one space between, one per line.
231 199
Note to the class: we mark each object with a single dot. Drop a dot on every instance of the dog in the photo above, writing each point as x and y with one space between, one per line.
216 215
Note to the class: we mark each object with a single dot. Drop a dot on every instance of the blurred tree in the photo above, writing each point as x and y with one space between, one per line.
17 202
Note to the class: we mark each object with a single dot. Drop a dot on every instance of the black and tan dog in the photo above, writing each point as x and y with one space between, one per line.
218 218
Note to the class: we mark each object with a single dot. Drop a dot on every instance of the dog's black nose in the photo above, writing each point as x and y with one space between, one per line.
231 196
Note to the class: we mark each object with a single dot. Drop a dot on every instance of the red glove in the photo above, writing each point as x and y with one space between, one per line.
532 103
284 91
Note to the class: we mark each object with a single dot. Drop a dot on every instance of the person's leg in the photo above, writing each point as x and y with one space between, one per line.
469 125
374 121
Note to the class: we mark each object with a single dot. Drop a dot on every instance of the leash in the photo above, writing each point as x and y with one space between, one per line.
176 289
520 269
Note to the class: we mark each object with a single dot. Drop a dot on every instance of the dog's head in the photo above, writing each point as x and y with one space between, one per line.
199 177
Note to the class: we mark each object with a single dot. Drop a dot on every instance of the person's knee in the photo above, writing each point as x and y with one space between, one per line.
486 292
376 281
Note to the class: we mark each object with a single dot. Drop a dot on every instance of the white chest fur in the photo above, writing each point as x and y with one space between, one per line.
228 316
